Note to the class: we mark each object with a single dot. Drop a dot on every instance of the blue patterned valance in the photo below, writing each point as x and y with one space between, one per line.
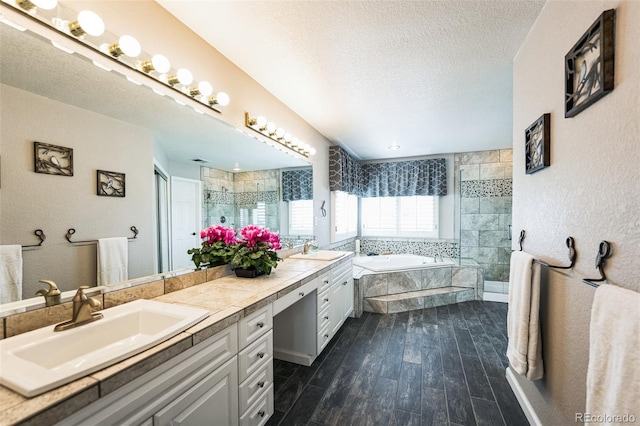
390 179
297 185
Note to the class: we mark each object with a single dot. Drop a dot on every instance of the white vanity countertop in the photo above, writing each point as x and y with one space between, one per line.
228 299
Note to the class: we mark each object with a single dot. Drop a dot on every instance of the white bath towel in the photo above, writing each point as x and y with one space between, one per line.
613 375
10 273
112 260
524 349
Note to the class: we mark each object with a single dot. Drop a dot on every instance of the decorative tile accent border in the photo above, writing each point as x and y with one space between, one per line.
243 198
421 248
486 188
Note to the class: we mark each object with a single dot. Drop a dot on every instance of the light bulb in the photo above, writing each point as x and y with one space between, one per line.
279 133
223 99
88 22
295 142
312 150
287 137
184 76
30 5
158 63
126 45
205 88
271 127
261 122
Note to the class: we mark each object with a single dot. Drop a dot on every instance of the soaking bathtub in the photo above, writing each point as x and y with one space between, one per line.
398 262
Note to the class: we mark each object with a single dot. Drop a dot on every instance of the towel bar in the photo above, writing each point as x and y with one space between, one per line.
40 234
572 256
72 231
604 251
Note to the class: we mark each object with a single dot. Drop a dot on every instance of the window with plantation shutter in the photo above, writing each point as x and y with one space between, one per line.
344 218
301 217
415 216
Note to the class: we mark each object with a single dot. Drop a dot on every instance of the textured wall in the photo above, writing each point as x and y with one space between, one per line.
56 203
590 192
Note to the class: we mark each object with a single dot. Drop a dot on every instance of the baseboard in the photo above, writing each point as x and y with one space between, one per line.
495 297
295 357
526 406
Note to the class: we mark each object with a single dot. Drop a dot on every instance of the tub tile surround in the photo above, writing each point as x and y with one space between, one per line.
228 298
415 289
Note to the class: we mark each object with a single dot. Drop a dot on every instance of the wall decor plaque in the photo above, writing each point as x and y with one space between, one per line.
111 184
52 159
538 144
589 65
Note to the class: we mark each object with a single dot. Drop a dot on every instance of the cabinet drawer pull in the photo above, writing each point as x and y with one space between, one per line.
326 336
260 354
326 317
301 293
260 324
262 413
344 283
326 281
260 384
326 300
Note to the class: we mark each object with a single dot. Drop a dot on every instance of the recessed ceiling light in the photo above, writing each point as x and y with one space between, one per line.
394 147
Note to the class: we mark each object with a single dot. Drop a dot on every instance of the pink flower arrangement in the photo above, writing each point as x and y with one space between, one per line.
219 233
253 235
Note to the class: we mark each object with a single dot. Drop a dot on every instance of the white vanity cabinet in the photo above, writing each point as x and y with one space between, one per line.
255 367
340 296
200 383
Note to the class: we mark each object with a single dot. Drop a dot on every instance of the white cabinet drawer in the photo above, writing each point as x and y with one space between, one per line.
254 326
323 300
324 336
324 319
259 413
254 356
324 281
252 389
289 299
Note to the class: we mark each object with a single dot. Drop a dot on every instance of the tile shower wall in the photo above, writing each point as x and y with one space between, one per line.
485 191
225 193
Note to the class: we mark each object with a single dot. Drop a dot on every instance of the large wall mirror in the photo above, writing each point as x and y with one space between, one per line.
59 98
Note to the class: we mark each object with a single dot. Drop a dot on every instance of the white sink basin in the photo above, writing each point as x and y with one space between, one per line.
320 255
40 360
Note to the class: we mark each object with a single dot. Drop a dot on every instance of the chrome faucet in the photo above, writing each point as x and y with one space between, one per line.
83 307
437 256
51 295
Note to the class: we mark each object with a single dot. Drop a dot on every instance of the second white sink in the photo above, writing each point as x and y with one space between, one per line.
320 255
40 360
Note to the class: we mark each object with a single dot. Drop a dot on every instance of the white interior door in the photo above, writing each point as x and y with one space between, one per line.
185 219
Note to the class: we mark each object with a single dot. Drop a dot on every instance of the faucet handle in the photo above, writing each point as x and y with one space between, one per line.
53 288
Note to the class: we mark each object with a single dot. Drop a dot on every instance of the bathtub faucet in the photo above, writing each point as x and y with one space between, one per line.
437 256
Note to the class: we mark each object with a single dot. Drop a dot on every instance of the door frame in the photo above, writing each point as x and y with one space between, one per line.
198 204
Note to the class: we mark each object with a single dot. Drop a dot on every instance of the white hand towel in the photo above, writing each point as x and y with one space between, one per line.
524 349
112 260
613 375
10 273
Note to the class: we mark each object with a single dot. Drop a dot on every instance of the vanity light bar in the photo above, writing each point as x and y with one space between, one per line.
89 29
277 134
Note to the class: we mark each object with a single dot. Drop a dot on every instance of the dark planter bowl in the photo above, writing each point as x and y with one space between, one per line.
247 273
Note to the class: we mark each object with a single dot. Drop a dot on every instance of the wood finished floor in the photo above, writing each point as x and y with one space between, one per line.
436 366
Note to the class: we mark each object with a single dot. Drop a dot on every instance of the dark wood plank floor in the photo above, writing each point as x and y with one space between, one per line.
436 366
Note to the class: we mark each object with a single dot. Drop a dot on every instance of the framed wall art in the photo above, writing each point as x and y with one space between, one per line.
589 65
111 184
52 159
538 144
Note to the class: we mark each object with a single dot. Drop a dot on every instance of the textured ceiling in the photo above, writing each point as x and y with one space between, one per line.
432 76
